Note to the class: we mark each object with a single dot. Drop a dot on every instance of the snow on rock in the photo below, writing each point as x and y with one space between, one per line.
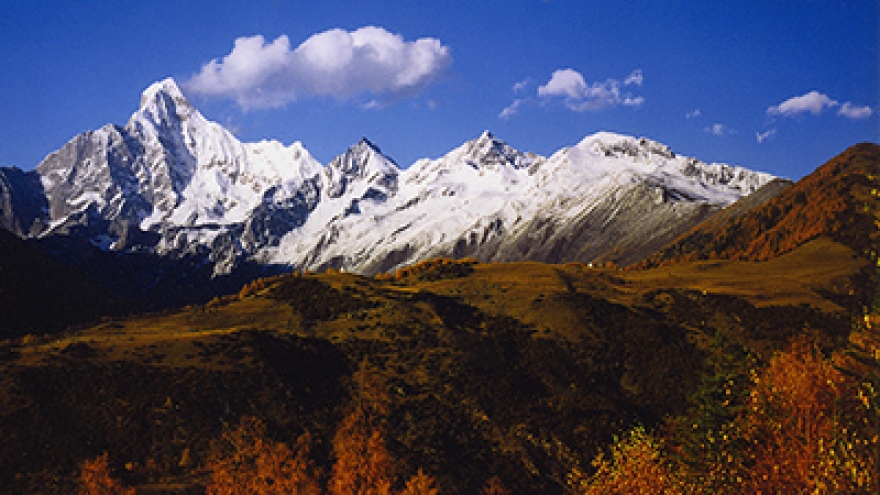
189 180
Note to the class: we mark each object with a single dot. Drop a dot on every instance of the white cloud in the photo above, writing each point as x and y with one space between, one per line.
336 63
373 105
522 85
763 136
511 109
854 112
564 82
719 130
579 96
692 115
813 102
635 78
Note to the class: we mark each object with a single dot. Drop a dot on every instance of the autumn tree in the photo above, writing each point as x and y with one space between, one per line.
245 461
705 441
363 465
494 486
95 479
637 465
799 430
420 484
860 363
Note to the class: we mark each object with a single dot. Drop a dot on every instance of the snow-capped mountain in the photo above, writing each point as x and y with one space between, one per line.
169 172
174 184
610 197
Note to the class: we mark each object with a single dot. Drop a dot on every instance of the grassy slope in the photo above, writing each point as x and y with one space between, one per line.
521 370
840 200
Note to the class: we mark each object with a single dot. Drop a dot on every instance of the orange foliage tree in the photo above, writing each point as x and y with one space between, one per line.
637 466
245 461
810 425
494 486
420 484
95 479
363 465
797 427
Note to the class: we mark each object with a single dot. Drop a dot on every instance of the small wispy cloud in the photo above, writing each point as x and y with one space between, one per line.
636 78
335 63
692 115
854 112
719 129
571 86
510 110
763 136
521 86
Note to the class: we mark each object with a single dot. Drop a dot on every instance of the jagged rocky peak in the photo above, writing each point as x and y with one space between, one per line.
363 161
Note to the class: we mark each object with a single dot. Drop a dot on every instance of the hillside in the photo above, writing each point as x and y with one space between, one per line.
839 200
521 371
39 295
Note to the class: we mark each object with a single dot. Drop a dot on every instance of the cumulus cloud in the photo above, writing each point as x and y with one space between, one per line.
564 82
813 102
854 112
336 63
763 136
578 95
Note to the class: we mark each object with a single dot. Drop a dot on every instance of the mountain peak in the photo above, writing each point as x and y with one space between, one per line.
489 151
167 87
366 144
620 145
163 104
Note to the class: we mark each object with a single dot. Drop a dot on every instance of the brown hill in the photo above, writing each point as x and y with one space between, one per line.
840 200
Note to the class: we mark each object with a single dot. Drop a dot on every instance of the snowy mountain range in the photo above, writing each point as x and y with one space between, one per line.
173 184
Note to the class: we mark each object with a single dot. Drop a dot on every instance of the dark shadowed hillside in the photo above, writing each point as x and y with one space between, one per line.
39 295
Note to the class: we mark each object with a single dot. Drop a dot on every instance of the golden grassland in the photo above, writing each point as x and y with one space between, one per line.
529 292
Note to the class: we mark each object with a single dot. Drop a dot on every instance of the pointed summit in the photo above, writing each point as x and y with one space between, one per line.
163 105
365 145
487 151
363 160
165 88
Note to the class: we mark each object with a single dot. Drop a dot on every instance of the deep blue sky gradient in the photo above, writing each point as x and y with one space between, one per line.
68 67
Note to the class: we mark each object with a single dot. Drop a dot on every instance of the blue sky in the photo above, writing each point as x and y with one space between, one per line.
779 86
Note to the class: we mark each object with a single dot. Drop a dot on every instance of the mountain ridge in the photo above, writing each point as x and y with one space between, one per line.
838 200
173 184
